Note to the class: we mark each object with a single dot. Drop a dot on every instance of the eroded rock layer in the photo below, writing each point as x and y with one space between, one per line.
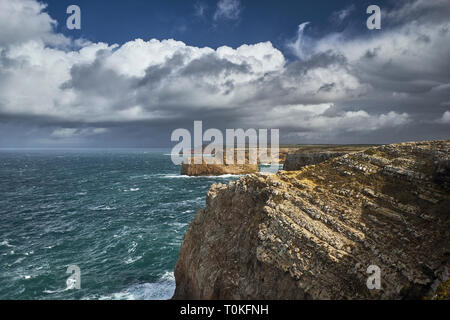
296 161
312 234
204 169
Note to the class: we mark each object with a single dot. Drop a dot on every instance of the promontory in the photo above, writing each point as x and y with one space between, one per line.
321 231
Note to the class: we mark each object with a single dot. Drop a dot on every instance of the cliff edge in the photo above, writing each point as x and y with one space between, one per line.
312 234
204 169
306 155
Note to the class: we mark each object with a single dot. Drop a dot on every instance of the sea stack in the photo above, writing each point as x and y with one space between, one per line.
204 169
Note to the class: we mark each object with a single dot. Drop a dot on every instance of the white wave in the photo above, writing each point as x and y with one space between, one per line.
71 283
179 224
174 176
174 154
55 291
190 155
6 244
133 247
223 176
227 176
133 260
161 290
102 208
179 176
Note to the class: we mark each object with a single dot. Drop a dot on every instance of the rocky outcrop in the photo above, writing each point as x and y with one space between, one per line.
313 233
204 169
296 161
207 166
306 155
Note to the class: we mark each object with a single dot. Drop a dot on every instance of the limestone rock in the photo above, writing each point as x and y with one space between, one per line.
296 161
312 234
204 169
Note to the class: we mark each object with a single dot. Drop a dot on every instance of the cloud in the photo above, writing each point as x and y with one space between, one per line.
445 118
25 20
340 15
228 9
420 11
340 88
66 133
323 118
200 9
301 45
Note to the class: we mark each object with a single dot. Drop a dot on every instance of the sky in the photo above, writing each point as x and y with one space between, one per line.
137 70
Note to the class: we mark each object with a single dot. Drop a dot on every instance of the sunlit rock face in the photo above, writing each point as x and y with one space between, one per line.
196 166
216 169
313 233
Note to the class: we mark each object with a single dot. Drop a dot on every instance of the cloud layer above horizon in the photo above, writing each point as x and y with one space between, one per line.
392 85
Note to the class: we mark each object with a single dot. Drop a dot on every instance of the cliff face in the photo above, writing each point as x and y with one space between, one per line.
204 169
306 155
312 234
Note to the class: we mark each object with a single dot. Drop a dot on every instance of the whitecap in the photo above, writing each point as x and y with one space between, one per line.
223 176
133 247
6 244
71 283
102 208
133 260
55 291
163 289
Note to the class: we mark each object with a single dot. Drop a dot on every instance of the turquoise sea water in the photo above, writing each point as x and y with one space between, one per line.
119 215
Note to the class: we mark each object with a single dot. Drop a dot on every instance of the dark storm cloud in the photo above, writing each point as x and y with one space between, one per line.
212 65
421 11
394 84
95 79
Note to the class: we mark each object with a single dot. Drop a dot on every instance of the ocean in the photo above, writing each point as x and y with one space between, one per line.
119 215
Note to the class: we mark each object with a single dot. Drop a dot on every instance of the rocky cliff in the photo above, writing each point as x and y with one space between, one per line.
296 161
313 233
204 169
306 155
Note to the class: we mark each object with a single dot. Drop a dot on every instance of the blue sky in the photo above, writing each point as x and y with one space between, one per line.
257 21
137 70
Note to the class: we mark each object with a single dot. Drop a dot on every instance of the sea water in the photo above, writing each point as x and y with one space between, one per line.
118 214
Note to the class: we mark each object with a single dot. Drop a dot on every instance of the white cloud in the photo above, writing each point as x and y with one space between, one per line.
445 118
314 118
300 47
24 20
228 9
340 15
422 11
67 133
339 84
200 9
